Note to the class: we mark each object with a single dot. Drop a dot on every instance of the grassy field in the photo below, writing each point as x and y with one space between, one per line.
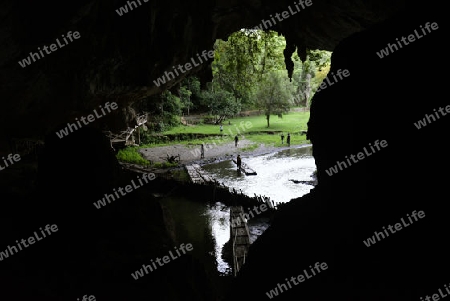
253 128
292 122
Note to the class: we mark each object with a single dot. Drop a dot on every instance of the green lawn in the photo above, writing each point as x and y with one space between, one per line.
253 128
275 140
293 122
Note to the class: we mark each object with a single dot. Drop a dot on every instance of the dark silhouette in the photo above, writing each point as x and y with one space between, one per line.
282 138
238 162
236 140
202 152
288 139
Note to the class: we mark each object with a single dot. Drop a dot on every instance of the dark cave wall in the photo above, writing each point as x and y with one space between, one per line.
118 57
115 62
381 99
94 250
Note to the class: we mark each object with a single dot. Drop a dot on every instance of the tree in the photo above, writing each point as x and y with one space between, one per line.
221 103
302 80
274 95
242 61
309 74
190 87
185 97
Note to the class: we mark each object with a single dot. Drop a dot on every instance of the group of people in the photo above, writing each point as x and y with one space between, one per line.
288 139
236 141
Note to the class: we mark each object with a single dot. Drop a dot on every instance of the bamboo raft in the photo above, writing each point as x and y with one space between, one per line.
198 175
246 169
240 238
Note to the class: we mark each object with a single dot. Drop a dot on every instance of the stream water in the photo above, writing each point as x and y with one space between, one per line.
208 226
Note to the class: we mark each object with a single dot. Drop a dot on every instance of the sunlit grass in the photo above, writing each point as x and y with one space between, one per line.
131 155
275 139
252 128
291 122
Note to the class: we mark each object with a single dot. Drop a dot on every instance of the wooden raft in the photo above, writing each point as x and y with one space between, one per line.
198 175
240 237
246 169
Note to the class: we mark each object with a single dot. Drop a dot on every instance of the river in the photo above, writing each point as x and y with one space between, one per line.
208 226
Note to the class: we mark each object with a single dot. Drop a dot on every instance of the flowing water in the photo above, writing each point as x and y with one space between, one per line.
208 226
274 172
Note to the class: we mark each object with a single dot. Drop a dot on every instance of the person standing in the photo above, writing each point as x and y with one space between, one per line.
236 140
202 152
221 129
288 139
238 162
282 138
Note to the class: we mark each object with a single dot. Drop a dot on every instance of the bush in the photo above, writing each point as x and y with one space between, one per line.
209 119
165 165
131 155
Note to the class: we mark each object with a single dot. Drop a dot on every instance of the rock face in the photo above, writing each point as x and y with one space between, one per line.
117 58
382 99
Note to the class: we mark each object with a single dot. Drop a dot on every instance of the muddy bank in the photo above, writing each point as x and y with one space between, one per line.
213 153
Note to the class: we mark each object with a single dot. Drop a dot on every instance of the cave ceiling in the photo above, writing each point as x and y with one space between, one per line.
116 57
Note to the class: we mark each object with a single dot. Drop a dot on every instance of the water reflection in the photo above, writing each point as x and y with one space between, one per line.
219 217
207 227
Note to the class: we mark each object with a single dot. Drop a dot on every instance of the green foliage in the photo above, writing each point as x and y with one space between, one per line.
190 93
275 95
209 119
308 75
250 147
241 80
321 58
274 139
221 103
130 155
164 165
241 62
291 122
164 111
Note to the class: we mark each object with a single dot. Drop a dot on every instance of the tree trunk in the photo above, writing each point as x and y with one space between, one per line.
189 97
268 117
308 90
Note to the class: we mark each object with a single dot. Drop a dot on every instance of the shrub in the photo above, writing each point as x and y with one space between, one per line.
131 155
